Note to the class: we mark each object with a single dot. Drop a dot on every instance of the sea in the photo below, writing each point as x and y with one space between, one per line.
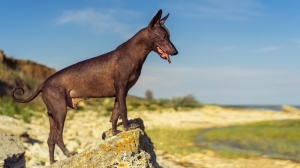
265 107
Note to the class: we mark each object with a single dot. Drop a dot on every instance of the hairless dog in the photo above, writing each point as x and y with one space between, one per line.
108 75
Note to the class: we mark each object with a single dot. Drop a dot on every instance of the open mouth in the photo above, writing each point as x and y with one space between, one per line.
163 54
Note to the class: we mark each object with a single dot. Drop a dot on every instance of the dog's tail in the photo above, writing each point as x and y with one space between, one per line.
37 92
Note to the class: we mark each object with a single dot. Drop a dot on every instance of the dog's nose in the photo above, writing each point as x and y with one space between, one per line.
175 53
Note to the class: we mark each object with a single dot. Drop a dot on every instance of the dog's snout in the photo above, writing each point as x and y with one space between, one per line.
175 52
173 49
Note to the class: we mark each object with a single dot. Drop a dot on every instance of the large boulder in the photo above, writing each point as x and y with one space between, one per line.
127 149
11 151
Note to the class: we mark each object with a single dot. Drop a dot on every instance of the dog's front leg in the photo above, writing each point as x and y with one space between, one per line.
120 109
114 117
121 98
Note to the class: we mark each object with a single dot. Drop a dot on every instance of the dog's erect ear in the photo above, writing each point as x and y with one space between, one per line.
155 19
162 21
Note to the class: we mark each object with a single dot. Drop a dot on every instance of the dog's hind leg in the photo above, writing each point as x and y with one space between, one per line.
59 121
57 111
51 139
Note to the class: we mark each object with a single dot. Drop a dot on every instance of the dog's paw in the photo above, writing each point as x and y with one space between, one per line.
69 154
115 132
53 161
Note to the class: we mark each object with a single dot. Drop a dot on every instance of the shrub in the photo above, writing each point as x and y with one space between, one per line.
185 101
9 108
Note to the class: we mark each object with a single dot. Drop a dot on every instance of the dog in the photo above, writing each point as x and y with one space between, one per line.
108 75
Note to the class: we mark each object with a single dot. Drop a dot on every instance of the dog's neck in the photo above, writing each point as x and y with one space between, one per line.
142 44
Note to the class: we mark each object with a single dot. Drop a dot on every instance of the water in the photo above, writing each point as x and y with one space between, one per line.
265 107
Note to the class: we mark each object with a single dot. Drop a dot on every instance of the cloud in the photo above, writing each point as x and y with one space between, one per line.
234 10
99 20
268 49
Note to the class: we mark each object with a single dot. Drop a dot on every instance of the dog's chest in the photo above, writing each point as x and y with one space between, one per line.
134 76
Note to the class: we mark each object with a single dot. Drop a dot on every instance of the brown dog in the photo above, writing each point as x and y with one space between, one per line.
108 75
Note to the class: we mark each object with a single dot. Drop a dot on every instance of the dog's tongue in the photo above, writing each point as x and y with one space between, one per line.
164 54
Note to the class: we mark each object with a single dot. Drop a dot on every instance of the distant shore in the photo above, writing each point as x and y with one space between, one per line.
259 107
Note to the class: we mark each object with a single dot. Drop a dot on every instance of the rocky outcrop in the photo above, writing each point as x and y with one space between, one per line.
30 68
11 151
23 73
127 149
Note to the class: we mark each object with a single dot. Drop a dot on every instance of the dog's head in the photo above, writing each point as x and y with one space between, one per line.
160 37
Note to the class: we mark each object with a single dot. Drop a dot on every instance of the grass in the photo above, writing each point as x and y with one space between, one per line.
9 108
174 141
276 139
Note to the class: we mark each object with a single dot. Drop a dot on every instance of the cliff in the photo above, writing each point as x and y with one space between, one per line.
30 68
25 73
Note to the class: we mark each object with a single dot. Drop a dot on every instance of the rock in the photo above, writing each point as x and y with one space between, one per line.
11 151
13 126
127 149
290 109
31 68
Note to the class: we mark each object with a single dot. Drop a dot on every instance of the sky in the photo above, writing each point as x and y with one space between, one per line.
231 52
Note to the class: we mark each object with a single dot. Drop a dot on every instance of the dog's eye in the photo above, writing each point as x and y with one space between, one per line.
164 35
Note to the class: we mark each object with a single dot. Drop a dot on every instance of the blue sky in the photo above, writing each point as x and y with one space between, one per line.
230 51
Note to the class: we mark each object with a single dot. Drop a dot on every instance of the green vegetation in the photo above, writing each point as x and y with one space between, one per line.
10 78
8 107
21 111
277 139
149 95
186 102
175 141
